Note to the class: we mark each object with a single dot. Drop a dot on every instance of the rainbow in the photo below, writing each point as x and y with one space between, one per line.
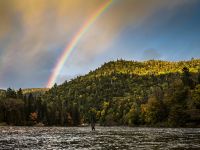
69 48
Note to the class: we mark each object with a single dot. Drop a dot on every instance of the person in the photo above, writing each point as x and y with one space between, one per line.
93 126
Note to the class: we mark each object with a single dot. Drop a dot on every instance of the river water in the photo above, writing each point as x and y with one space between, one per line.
103 138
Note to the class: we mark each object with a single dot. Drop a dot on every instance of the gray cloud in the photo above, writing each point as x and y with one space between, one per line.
32 32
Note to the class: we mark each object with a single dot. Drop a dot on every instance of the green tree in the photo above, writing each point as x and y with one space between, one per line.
177 116
199 76
195 100
187 77
154 111
11 93
20 94
76 115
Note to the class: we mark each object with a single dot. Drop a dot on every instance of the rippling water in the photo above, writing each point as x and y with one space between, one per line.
103 138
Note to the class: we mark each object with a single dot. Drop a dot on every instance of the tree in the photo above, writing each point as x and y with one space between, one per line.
11 93
92 115
194 105
12 110
76 115
30 101
69 120
199 76
154 111
195 100
33 117
187 78
177 116
20 94
133 116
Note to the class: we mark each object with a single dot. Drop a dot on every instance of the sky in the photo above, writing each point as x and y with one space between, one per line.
34 33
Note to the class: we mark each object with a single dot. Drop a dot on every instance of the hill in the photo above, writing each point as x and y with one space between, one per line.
155 67
150 93
124 92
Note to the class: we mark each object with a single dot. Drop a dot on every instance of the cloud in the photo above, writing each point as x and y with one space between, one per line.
120 16
34 32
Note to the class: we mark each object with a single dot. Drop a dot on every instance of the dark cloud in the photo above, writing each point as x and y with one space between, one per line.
32 31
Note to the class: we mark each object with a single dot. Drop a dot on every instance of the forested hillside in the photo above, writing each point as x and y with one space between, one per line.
153 93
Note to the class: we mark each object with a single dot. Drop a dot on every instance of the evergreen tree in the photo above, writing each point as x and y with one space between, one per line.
199 76
76 115
11 93
20 94
187 77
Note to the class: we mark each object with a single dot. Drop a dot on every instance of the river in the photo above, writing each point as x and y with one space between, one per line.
103 138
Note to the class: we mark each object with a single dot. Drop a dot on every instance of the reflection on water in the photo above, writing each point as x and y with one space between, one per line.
102 138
